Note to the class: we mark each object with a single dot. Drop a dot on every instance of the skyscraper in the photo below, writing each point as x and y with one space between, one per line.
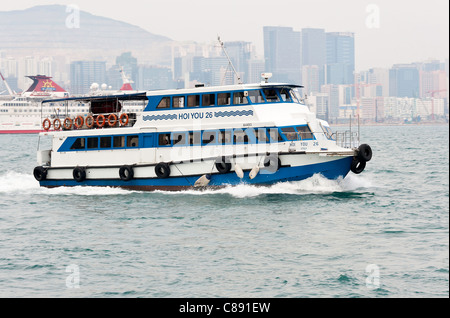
404 81
340 57
282 53
314 50
84 73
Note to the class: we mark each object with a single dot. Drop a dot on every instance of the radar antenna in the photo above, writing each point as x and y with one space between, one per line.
229 60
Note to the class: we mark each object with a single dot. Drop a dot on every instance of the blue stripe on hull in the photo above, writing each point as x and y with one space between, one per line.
331 170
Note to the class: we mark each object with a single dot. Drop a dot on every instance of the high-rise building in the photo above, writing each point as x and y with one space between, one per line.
84 73
314 50
340 48
282 53
404 81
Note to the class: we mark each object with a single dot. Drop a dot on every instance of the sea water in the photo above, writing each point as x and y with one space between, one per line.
383 233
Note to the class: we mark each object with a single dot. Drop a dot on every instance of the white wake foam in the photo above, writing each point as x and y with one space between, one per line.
13 182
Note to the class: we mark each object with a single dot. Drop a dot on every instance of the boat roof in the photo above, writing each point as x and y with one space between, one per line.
200 89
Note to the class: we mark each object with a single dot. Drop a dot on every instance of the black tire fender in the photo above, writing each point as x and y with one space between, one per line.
40 173
162 170
272 163
223 165
79 174
365 152
126 173
357 165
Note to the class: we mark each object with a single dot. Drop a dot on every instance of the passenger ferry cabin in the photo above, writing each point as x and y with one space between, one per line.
192 138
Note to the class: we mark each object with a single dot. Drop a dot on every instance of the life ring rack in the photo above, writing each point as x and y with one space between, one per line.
67 123
112 120
46 124
124 119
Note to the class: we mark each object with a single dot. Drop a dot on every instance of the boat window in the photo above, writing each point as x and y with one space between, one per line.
92 142
223 99
179 138
239 98
285 95
271 95
193 100
295 95
261 135
209 137
225 137
256 97
105 142
289 133
304 132
195 138
133 141
118 141
164 103
328 132
239 136
208 100
164 140
178 102
274 135
78 144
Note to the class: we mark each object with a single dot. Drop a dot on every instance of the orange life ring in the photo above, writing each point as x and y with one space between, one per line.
57 124
67 123
124 119
89 121
112 120
46 124
102 123
78 122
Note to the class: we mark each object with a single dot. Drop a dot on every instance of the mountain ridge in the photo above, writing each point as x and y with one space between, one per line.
43 28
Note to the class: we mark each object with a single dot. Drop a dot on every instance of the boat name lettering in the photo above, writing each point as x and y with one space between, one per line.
199 115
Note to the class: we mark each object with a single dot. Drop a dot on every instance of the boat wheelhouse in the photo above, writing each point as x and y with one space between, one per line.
194 138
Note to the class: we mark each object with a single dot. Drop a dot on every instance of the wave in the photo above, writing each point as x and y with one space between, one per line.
12 182
317 184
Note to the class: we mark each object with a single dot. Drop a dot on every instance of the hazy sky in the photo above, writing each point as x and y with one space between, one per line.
387 31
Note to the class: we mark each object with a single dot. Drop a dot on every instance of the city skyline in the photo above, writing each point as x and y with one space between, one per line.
386 32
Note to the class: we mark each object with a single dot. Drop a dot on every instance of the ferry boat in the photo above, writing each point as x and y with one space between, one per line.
258 134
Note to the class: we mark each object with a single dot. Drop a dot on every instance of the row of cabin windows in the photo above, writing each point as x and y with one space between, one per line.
207 137
235 136
270 95
131 141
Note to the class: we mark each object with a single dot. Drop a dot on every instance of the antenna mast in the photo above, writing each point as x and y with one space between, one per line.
229 60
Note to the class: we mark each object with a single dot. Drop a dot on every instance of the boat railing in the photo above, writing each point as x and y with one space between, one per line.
347 139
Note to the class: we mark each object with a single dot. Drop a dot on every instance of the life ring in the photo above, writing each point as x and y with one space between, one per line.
46 124
357 165
223 165
123 119
272 163
112 120
365 152
78 122
126 173
89 121
40 173
67 123
79 174
57 124
103 120
162 170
